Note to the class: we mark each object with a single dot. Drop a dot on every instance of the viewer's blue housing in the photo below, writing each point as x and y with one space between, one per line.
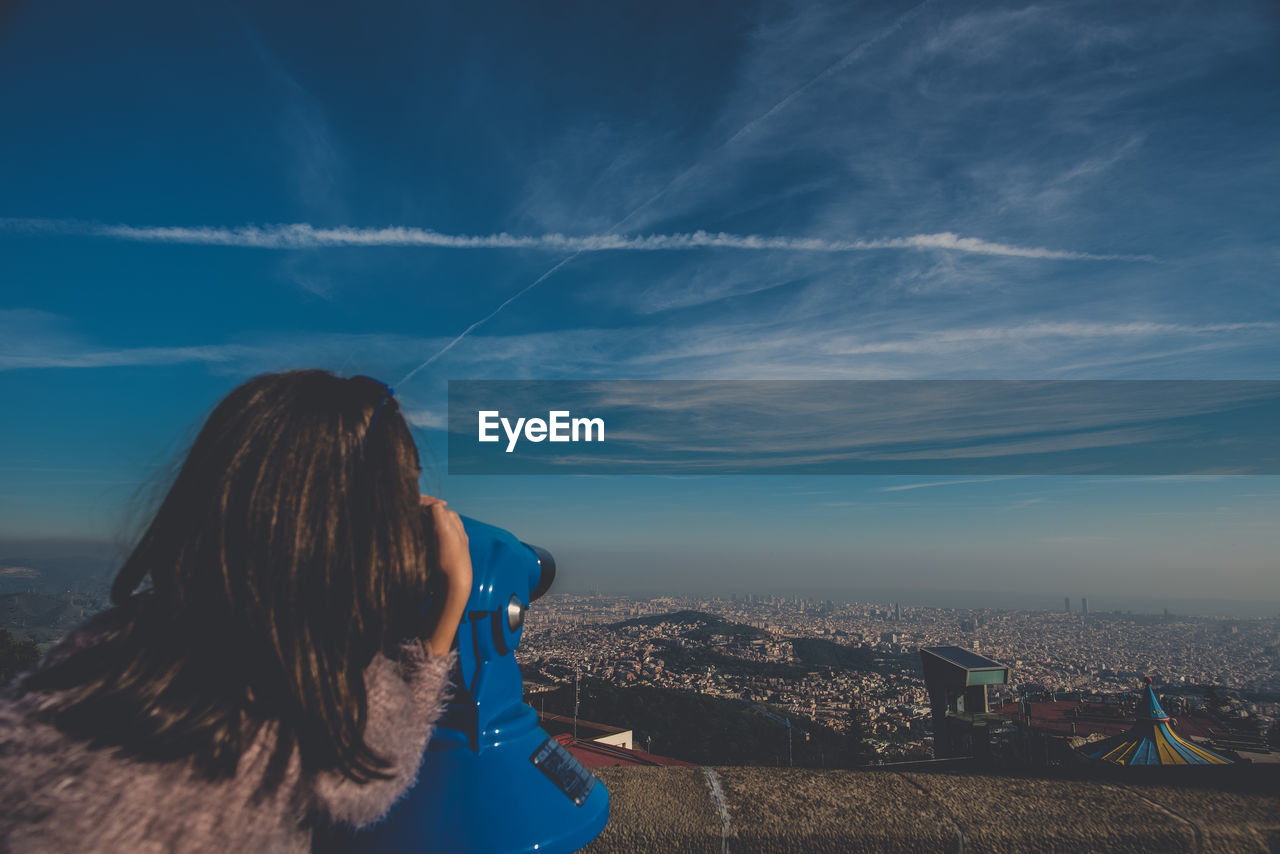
492 780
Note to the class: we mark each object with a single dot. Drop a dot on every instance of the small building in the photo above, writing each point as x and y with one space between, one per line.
594 754
600 745
586 730
957 680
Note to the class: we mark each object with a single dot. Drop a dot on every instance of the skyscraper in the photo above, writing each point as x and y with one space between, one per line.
1066 604
1084 605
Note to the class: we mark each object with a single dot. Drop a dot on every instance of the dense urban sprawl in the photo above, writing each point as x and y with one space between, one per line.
642 641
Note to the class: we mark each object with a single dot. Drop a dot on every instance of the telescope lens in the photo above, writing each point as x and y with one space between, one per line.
548 564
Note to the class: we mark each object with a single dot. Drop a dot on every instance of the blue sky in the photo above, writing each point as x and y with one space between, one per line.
195 193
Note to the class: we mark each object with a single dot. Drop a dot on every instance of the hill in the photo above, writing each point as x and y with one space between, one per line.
42 617
702 729
818 652
705 626
812 653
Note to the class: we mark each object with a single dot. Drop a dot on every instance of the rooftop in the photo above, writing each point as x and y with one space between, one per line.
586 730
594 754
962 657
1098 718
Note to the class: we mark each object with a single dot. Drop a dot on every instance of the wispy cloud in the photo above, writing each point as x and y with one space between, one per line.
32 339
1162 478
124 357
426 418
722 347
314 162
930 484
306 236
952 340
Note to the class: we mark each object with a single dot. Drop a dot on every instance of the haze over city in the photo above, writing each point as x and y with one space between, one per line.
194 195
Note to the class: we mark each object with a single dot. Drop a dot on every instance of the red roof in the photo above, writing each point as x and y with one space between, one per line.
593 754
1093 717
587 730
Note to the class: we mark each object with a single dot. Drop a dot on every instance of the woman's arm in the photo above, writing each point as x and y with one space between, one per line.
455 565
407 695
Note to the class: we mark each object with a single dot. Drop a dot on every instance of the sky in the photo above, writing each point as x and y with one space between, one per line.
192 194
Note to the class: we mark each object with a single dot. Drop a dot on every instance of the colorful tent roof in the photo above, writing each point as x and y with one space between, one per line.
1151 741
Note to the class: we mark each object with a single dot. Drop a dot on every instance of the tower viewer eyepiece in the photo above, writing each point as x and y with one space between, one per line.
548 577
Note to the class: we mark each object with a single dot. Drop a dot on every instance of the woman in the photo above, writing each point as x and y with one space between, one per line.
279 647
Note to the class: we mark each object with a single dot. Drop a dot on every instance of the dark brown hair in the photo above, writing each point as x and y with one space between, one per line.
289 550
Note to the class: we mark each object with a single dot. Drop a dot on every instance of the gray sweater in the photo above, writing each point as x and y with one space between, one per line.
56 794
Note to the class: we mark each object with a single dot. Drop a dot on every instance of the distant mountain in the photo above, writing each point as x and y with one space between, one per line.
58 565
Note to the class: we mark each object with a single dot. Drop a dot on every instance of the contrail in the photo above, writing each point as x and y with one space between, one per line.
305 236
742 131
293 236
839 65
750 126
446 348
302 235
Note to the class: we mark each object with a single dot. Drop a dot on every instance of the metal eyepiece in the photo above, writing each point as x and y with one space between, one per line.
515 613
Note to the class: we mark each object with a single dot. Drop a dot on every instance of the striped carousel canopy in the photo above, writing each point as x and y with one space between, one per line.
1152 741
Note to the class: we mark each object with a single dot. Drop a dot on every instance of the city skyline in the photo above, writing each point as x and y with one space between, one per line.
824 661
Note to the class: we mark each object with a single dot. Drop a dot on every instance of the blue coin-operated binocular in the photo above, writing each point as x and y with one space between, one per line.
492 780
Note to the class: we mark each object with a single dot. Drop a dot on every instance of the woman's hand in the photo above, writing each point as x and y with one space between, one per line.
454 560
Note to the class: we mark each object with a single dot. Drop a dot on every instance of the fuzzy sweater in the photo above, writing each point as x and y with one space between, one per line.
58 795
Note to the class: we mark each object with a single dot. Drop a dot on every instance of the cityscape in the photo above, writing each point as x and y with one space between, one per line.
731 697
818 661
822 663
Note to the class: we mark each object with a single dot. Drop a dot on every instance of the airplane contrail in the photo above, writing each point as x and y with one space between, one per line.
750 126
745 129
446 348
302 235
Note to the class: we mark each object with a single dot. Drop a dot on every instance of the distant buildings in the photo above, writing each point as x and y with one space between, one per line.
881 674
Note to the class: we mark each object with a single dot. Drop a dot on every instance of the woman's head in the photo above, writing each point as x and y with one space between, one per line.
295 516
288 551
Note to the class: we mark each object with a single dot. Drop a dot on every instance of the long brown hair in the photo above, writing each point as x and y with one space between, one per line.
289 550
